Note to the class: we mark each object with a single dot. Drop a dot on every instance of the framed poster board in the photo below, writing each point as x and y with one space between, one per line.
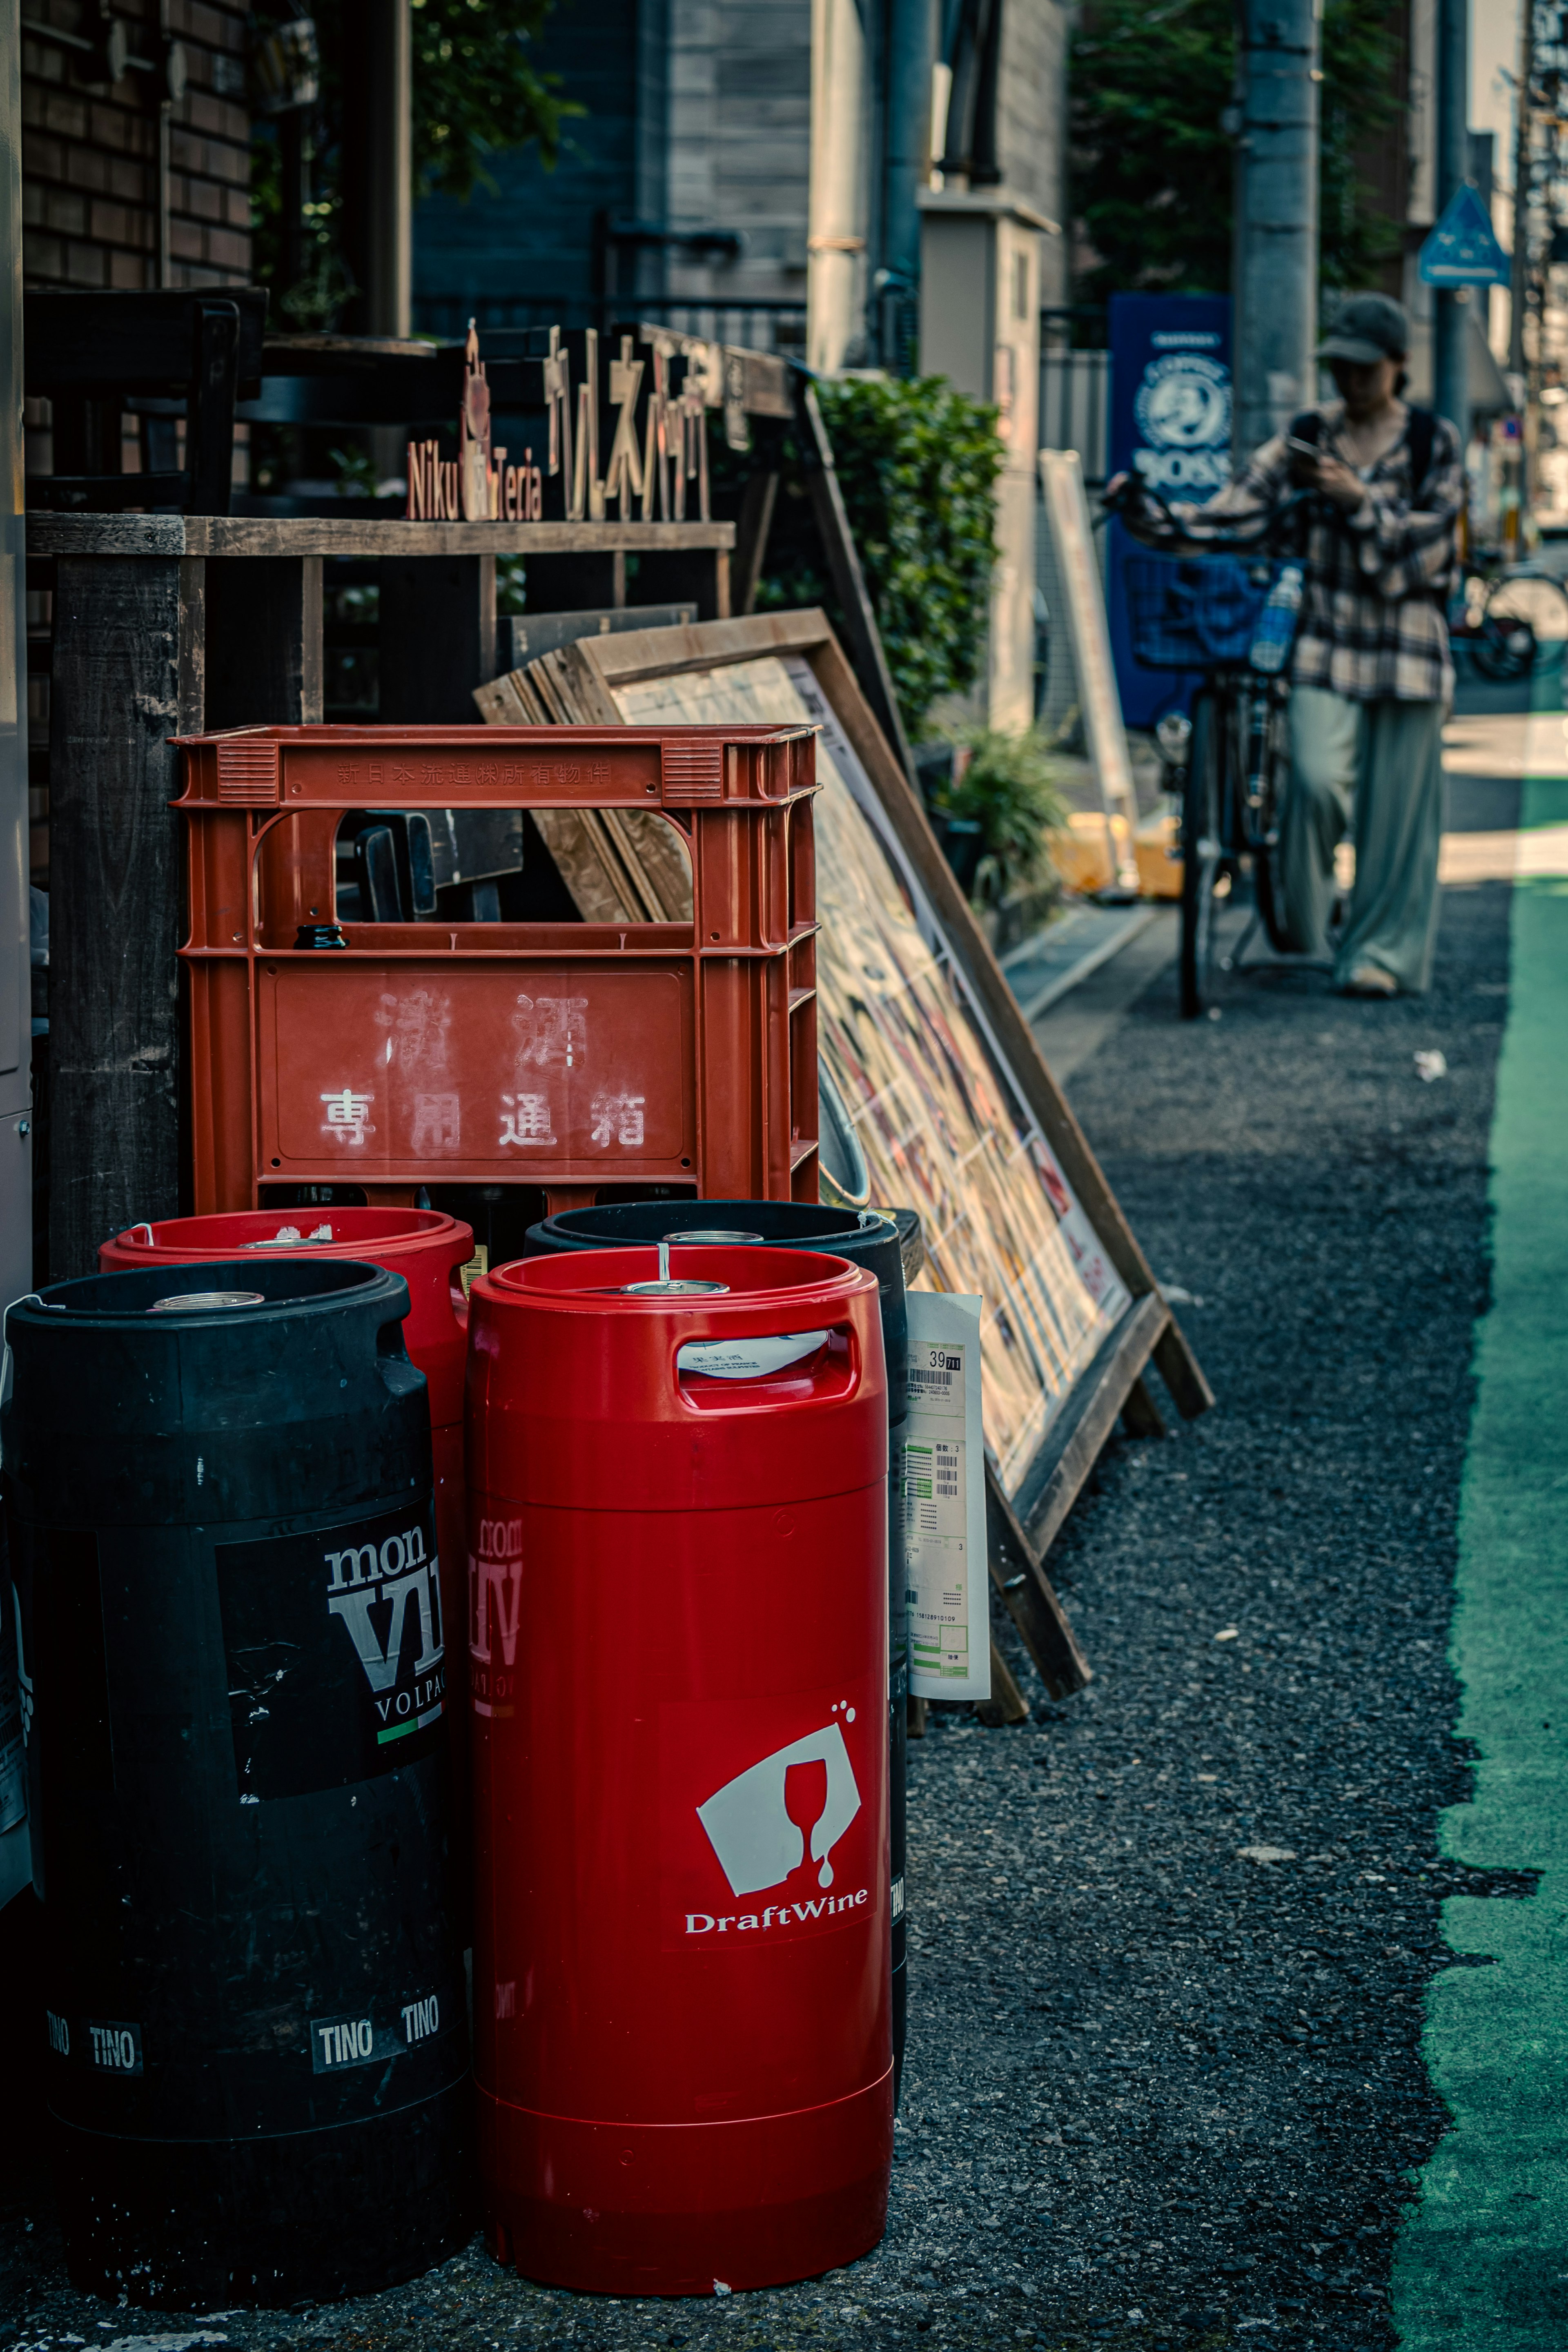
953 1104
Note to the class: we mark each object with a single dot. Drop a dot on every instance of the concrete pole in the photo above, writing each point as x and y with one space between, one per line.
1452 307
1276 243
835 239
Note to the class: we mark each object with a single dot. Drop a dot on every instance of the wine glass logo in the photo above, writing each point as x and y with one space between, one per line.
759 1823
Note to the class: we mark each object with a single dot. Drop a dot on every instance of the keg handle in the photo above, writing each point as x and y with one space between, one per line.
664 1261
143 1228
28 1298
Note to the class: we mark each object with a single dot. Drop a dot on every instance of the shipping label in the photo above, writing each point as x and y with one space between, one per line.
944 1501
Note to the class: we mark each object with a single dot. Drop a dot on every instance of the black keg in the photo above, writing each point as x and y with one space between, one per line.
869 1237
218 1493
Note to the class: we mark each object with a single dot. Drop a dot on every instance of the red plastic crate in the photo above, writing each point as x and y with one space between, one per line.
569 1057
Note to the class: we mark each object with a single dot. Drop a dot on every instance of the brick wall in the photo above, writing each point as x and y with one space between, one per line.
91 151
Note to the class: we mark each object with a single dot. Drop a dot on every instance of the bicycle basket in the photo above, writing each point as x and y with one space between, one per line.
1197 612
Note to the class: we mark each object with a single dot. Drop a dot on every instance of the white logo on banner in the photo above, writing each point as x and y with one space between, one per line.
1183 410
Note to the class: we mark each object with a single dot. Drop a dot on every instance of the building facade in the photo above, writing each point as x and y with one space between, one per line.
729 173
136 144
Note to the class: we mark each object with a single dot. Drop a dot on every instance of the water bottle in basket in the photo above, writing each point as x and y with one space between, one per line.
1276 631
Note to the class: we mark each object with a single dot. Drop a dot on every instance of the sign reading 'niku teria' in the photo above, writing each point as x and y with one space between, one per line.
657 439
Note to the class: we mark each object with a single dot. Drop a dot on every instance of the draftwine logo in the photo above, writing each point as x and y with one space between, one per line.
804 1823
748 1822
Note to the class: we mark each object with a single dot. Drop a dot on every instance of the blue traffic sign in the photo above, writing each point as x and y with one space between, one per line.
1461 249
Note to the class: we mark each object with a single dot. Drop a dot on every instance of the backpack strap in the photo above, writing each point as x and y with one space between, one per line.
1421 432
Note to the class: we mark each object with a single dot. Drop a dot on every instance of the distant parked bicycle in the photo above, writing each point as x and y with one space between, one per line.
1225 602
1510 613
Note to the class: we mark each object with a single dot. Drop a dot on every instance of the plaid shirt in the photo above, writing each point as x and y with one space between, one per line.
1373 625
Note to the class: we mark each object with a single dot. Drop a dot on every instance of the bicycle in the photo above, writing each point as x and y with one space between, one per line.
1510 614
1198 602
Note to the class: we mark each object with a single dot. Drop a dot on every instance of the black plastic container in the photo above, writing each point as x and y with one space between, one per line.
258 2037
867 1237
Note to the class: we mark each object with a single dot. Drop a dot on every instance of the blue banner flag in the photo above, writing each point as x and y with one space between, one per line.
1170 422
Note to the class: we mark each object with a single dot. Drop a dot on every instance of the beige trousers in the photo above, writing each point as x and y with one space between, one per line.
1373 770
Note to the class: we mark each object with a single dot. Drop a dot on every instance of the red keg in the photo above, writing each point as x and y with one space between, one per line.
678 1628
429 1249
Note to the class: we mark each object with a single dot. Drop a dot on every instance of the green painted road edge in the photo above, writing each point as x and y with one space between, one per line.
1481 2264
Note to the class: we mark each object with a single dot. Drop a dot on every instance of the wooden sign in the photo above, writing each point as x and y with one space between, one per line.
658 430
478 485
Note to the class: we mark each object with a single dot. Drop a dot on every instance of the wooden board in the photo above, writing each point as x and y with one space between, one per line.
128 674
172 534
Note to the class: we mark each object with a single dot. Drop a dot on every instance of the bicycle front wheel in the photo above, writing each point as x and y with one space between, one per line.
1521 615
1202 851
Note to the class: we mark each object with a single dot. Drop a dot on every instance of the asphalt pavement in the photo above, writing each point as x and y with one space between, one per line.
1171 1941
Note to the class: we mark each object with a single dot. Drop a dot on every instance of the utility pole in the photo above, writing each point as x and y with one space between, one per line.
911 45
1275 245
1522 143
1452 306
1517 494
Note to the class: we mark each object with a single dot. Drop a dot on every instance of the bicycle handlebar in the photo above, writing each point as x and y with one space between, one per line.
1169 532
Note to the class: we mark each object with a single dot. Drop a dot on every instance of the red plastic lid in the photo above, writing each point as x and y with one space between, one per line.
426 1246
346 1233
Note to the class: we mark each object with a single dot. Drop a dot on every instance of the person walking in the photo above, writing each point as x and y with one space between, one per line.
1372 677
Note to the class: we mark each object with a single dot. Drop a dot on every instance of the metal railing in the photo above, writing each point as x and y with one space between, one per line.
1075 407
765 325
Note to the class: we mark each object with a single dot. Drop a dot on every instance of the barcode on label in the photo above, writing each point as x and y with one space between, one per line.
947 1486
930 1380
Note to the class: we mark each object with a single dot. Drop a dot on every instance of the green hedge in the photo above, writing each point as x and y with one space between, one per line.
918 464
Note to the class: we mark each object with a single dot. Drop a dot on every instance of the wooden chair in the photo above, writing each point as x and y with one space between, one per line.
92 355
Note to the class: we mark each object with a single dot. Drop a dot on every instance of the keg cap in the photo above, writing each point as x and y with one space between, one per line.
668 1286
711 1236
205 1302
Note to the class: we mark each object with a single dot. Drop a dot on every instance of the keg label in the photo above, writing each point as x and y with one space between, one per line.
495 1614
336 1652
107 2045
771 1847
369 2038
